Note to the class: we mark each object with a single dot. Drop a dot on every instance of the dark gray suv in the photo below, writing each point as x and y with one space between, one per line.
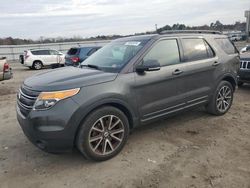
129 82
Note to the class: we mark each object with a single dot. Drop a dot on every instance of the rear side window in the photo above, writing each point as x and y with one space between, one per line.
84 51
92 51
72 51
196 49
41 52
226 45
166 52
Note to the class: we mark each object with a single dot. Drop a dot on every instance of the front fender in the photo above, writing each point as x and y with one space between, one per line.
85 109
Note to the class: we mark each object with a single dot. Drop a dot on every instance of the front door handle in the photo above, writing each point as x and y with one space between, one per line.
216 63
177 72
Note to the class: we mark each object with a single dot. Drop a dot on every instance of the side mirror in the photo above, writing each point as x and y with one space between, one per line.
149 65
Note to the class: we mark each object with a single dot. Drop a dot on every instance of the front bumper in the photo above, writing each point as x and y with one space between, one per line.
244 75
50 130
8 75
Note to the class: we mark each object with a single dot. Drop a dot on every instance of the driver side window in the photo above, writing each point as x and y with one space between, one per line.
166 52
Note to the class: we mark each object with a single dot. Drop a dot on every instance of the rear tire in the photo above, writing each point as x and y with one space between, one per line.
221 100
37 65
103 134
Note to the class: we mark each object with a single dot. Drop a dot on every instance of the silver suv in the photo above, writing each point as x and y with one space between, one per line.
129 82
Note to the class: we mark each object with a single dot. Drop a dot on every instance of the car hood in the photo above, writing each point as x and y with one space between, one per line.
245 56
67 78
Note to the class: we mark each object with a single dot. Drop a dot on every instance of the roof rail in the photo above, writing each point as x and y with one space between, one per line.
190 31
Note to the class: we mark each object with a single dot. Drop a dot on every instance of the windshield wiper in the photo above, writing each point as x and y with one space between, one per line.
91 66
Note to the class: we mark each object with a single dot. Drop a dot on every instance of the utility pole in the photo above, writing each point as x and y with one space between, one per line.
156 28
247 15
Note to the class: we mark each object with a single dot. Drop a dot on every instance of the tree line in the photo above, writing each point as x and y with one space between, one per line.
239 26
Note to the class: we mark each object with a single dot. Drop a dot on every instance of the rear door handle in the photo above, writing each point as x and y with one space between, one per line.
216 63
177 72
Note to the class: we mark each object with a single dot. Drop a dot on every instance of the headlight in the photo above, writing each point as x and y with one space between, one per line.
48 99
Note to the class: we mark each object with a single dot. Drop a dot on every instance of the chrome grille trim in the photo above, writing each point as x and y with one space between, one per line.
26 99
245 65
26 96
25 106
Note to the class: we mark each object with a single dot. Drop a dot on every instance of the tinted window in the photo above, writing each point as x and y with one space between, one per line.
35 52
84 51
53 52
92 51
210 51
196 49
226 45
41 52
72 51
166 52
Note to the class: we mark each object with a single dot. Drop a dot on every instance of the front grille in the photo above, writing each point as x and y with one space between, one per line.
245 65
26 99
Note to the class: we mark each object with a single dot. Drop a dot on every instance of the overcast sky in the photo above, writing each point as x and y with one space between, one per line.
67 18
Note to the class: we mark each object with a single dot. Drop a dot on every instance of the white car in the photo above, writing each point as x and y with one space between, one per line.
245 49
235 37
39 58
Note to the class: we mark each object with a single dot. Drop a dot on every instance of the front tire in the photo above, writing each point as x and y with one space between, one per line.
222 99
103 134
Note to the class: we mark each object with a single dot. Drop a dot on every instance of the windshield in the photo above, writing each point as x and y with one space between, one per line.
114 56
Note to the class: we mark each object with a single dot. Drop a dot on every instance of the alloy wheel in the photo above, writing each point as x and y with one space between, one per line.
37 65
106 135
224 99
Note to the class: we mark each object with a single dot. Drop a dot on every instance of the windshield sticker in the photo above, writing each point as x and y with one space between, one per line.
132 43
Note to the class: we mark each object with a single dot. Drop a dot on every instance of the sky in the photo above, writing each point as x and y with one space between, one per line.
32 19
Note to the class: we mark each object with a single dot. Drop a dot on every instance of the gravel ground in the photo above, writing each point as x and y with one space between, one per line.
193 149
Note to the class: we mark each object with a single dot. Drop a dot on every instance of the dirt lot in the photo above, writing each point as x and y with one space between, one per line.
193 149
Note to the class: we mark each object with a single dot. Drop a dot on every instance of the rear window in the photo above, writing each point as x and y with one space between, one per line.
72 51
226 45
196 49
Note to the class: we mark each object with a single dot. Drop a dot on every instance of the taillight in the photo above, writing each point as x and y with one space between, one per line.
6 67
26 55
75 59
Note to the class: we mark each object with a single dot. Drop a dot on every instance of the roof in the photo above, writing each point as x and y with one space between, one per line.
36 49
86 47
214 34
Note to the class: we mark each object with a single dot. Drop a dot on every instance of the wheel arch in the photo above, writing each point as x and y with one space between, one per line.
130 114
37 60
230 79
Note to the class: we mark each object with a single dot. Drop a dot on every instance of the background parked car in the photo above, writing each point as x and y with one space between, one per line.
244 73
39 58
236 38
5 70
245 49
77 55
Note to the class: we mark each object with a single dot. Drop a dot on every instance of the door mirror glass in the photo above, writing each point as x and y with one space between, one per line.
148 65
